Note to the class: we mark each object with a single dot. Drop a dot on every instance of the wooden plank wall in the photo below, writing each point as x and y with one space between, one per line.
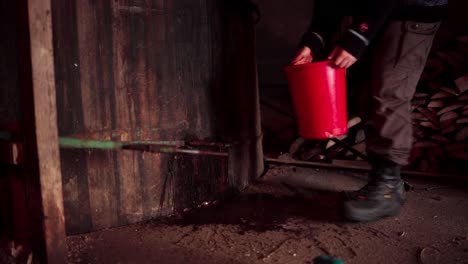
130 70
104 188
34 186
133 67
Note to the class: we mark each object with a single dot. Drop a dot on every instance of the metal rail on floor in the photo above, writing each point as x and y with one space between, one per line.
310 164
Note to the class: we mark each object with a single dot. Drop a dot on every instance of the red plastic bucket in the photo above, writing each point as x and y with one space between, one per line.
318 92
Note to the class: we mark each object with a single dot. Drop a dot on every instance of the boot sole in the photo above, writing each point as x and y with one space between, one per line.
402 201
369 217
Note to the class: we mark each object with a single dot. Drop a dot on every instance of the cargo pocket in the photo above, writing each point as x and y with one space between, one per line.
415 45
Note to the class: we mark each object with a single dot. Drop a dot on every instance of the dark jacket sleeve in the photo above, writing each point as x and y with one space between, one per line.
326 21
366 25
368 19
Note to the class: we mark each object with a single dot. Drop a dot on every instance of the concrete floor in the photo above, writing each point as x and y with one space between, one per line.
292 217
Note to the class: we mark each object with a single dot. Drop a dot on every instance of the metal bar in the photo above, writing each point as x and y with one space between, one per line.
175 150
349 148
149 146
361 169
192 152
209 144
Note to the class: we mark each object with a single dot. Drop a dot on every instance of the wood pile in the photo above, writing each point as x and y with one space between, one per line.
440 111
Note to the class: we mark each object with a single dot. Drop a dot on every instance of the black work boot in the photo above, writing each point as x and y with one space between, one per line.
352 195
383 196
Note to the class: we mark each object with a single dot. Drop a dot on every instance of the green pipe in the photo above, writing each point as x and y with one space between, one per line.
105 144
93 144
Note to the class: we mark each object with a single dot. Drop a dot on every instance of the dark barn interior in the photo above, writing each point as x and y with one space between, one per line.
162 131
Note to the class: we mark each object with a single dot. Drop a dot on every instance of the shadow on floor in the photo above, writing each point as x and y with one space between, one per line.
265 212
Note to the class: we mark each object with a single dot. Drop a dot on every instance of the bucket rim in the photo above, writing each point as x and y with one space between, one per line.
290 68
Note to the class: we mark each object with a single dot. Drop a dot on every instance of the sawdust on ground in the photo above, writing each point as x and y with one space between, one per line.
287 223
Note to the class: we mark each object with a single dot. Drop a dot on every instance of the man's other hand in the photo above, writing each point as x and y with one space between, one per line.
341 58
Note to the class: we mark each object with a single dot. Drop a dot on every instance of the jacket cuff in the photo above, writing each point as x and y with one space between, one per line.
313 41
353 44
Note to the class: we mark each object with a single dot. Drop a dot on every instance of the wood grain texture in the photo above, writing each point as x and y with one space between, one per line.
130 189
76 191
156 185
131 70
241 110
47 215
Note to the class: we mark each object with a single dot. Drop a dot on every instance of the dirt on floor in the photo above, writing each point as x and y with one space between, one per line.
277 221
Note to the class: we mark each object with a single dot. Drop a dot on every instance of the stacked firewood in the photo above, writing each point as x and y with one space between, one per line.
440 110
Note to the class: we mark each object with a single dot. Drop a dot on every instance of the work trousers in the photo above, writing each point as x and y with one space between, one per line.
398 59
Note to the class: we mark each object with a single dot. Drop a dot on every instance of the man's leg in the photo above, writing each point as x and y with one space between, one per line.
399 59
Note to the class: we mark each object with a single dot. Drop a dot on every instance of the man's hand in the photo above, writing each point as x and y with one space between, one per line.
341 58
303 56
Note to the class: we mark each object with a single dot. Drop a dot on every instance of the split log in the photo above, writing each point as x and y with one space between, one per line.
450 129
440 138
442 95
360 136
462 120
450 108
429 114
351 123
361 147
447 119
421 95
448 116
462 84
449 90
354 121
462 135
419 116
428 125
418 102
436 104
